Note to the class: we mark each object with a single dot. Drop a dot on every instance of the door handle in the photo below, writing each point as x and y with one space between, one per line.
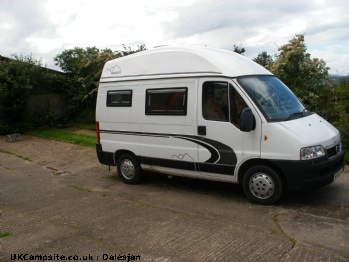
202 130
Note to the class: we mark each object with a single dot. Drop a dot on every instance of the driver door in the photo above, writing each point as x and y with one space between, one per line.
223 146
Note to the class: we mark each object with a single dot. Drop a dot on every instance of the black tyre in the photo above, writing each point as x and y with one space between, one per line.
129 169
263 185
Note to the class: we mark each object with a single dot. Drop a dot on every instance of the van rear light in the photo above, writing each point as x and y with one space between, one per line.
98 135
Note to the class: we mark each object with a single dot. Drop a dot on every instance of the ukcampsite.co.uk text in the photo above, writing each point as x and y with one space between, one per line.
57 257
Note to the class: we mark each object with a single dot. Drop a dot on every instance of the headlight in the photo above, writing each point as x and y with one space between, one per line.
312 152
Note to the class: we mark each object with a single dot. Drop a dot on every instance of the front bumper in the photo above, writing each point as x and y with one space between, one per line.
312 173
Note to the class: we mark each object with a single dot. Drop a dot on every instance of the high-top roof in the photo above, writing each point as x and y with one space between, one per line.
175 61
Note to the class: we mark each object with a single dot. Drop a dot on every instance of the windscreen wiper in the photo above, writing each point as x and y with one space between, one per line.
298 114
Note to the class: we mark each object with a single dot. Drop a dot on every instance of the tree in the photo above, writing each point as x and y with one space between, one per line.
15 86
309 80
128 50
299 71
84 68
19 76
92 68
339 109
264 59
239 49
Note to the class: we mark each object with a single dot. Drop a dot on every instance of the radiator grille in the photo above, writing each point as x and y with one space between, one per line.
334 150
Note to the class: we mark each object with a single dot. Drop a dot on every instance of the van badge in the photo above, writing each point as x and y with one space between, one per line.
114 70
338 148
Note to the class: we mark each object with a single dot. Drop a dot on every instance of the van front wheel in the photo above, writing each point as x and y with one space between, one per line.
129 169
263 185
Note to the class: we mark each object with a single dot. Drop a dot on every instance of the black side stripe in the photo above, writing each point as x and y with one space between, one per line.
129 133
220 153
185 165
227 155
214 153
170 163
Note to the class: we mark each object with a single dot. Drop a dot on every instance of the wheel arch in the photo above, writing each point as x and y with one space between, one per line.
120 152
255 162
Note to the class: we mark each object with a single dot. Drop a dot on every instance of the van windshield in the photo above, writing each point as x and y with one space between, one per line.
273 98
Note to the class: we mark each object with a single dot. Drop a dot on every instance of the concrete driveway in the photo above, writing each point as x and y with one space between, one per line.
59 204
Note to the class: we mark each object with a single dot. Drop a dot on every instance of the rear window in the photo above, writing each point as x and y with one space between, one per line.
167 101
119 98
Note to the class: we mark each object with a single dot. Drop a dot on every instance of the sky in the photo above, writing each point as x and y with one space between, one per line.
45 28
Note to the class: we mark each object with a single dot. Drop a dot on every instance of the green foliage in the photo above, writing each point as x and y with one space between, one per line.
264 60
39 121
24 75
82 125
66 135
309 79
18 78
6 128
15 85
239 49
340 110
75 62
304 75
84 68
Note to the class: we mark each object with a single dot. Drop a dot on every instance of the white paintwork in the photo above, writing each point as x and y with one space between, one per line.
170 61
190 67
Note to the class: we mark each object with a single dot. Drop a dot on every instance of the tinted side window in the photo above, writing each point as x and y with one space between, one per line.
215 101
119 98
237 104
167 101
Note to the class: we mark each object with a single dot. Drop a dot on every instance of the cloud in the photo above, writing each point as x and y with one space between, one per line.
244 16
260 25
256 25
47 27
22 19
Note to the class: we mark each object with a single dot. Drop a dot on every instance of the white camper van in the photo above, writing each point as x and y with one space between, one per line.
211 114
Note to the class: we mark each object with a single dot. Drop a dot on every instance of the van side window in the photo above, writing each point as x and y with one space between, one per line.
215 101
166 101
119 98
237 104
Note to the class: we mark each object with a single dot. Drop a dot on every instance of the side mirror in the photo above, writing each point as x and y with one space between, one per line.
247 121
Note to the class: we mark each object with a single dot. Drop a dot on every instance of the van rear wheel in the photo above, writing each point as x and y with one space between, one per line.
129 169
263 185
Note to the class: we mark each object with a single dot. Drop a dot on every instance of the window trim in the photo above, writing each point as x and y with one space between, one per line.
203 103
166 90
128 91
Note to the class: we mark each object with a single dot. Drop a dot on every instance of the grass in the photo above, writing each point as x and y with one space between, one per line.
87 126
6 234
65 135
